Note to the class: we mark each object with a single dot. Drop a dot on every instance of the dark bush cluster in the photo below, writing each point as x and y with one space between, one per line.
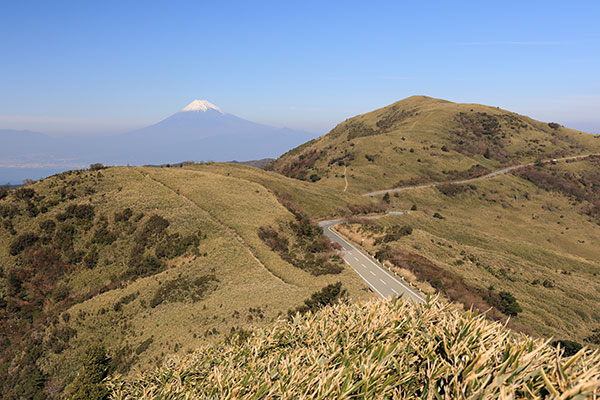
91 259
174 245
480 133
125 300
24 193
298 167
553 125
370 208
330 294
310 249
447 282
184 289
474 171
140 264
4 191
96 167
344 159
394 117
276 241
88 384
451 190
84 212
412 182
393 233
570 348
551 181
123 215
144 346
505 302
104 236
22 242
152 230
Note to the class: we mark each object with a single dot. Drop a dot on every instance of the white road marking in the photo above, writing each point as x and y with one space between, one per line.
382 281
364 266
394 290
378 267
367 281
372 273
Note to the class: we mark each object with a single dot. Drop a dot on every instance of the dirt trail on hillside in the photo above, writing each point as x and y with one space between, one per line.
345 179
490 175
217 221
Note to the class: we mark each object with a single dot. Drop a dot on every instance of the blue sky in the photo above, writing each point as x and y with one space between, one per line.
81 67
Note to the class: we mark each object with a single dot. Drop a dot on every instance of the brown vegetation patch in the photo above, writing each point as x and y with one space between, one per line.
445 281
299 166
480 134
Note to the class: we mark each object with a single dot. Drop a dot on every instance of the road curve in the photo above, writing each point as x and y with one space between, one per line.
380 280
490 175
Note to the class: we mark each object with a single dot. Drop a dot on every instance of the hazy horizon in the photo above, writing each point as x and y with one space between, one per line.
106 68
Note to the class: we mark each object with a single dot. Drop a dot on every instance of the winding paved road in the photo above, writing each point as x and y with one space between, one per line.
490 175
380 280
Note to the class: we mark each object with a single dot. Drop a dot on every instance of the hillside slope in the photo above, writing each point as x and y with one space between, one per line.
421 139
377 350
532 234
147 262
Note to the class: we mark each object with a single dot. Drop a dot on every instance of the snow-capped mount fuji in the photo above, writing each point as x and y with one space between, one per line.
201 105
203 131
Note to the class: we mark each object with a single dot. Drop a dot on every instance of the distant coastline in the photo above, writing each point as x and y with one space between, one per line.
16 176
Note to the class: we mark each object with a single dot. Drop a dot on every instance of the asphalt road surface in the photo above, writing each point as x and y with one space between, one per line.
490 175
380 280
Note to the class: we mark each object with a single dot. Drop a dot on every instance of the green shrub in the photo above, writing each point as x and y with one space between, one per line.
104 236
395 232
22 242
48 226
174 245
83 212
505 302
88 384
24 193
123 215
330 294
570 347
91 259
96 167
144 346
182 289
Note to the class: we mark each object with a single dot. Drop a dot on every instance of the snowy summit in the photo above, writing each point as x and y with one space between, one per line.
202 105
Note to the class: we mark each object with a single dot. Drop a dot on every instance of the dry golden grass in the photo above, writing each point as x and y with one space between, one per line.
412 148
229 210
377 350
513 236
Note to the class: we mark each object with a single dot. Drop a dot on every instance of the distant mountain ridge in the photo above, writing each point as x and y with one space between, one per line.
201 131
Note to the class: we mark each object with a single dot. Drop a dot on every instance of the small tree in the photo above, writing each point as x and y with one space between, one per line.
88 384
96 166
386 198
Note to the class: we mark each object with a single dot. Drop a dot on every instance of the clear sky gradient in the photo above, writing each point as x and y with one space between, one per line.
105 66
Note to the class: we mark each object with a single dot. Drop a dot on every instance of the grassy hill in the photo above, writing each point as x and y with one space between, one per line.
139 264
148 262
527 238
376 350
525 234
420 139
